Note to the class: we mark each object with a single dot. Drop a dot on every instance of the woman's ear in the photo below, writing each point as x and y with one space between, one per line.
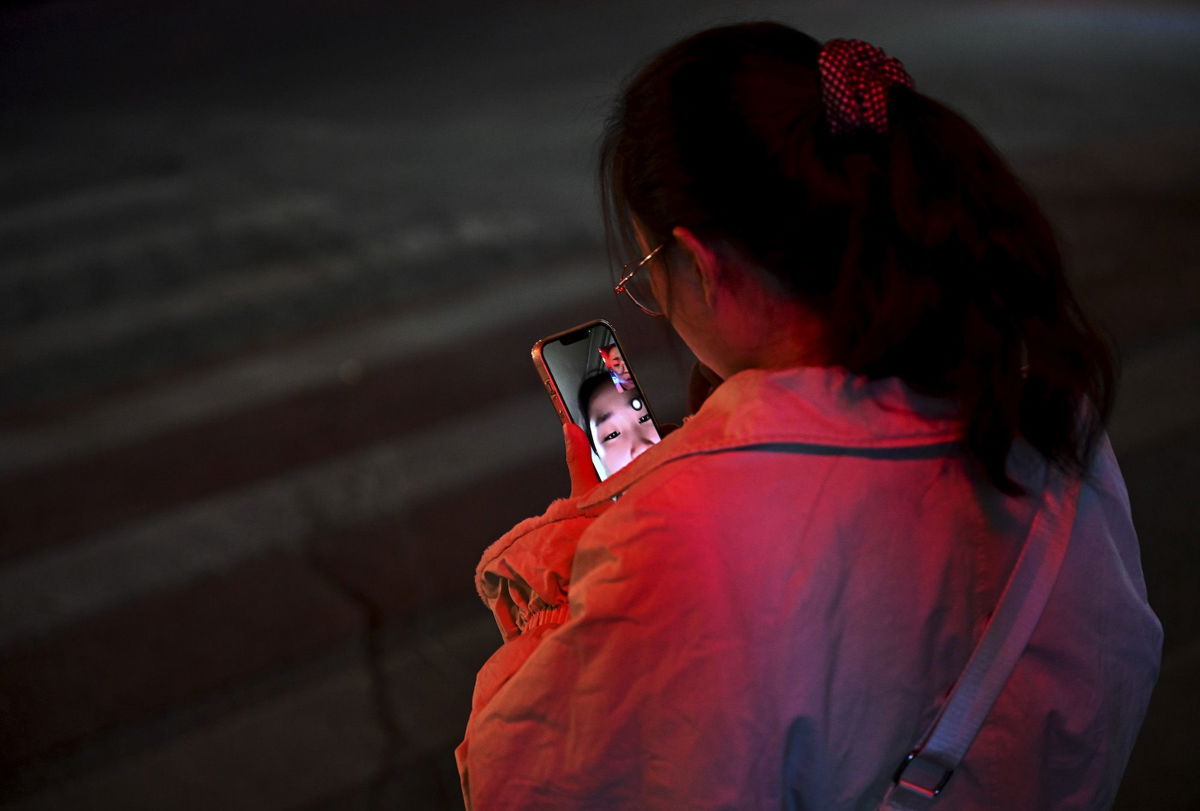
705 260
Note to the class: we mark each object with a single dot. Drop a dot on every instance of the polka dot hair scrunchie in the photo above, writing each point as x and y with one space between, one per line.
855 78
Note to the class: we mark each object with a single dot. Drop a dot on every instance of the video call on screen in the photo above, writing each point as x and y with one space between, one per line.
599 392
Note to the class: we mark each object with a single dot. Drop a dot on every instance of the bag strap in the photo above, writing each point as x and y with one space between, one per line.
923 774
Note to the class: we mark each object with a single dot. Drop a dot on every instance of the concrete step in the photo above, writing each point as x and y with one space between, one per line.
310 738
229 523
156 653
58 586
320 358
169 655
318 738
191 462
143 258
73 347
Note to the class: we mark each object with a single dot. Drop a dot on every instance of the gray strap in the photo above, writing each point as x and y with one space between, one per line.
921 777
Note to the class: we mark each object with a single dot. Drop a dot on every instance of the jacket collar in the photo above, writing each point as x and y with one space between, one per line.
815 406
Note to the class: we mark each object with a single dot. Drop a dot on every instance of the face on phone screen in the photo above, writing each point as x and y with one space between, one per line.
599 392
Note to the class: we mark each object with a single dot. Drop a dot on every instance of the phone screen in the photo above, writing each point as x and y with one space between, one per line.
591 383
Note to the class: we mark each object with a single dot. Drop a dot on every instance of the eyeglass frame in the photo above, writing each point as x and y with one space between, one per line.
622 285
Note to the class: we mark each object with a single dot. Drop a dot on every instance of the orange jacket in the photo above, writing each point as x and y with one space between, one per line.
766 609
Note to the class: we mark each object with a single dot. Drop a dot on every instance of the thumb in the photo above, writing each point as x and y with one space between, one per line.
579 460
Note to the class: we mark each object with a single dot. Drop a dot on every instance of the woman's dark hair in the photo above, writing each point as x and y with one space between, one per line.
587 390
918 248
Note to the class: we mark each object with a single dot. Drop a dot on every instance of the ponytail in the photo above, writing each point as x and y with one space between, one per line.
913 241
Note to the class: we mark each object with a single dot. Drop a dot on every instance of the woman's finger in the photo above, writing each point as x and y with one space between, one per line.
579 460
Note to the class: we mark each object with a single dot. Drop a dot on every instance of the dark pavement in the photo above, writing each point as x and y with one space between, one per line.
269 276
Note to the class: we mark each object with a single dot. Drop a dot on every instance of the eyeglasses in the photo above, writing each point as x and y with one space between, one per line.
638 287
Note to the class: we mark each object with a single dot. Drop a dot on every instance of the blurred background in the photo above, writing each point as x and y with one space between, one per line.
269 276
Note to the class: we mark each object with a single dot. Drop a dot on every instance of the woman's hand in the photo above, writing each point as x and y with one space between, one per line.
579 460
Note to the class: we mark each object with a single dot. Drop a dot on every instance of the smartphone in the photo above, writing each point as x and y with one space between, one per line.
590 382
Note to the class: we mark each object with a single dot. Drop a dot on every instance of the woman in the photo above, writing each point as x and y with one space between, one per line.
619 427
768 608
